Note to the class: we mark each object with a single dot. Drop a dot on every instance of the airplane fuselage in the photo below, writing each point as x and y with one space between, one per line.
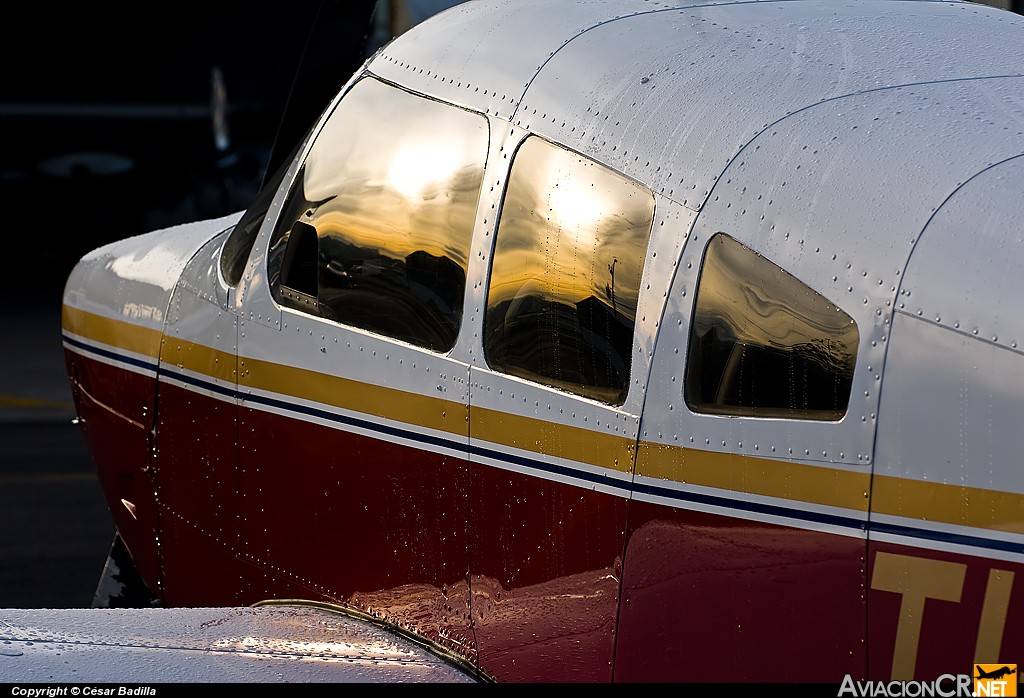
633 341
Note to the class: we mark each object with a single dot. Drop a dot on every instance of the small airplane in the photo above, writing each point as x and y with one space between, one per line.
607 341
996 674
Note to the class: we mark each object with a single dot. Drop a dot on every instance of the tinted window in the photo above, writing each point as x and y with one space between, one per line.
763 344
565 276
377 230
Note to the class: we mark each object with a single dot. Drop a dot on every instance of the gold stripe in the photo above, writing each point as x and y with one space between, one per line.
551 439
366 398
949 504
819 484
212 363
816 484
911 499
993 616
115 333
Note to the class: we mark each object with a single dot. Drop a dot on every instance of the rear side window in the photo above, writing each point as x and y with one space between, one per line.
377 231
763 343
565 275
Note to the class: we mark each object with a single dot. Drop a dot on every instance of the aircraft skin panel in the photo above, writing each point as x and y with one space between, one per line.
372 568
197 478
945 485
765 602
308 350
550 478
196 488
91 341
112 366
788 194
927 364
545 571
115 304
400 553
953 349
515 49
963 274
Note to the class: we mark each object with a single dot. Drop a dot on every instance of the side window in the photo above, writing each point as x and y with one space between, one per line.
763 344
376 233
565 276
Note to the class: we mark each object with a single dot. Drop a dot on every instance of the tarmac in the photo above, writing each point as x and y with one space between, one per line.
55 527
33 384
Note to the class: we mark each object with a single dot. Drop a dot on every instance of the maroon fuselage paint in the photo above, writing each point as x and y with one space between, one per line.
545 567
198 491
711 598
330 514
115 408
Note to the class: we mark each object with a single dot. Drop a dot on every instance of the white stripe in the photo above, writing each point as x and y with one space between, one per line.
541 473
804 524
167 375
460 452
148 372
950 529
974 551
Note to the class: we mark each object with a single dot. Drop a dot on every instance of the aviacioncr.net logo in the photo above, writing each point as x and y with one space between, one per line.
946 686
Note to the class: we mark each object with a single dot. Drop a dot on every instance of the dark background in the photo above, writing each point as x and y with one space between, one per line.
106 131
106 126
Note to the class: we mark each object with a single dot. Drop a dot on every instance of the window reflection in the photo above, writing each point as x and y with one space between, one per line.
565 277
763 344
390 187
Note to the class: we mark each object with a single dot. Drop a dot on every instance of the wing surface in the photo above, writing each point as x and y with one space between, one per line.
269 644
